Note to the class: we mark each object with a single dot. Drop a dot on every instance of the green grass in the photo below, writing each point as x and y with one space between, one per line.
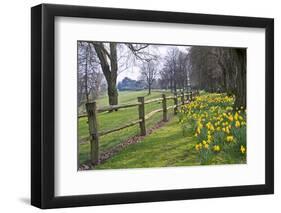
166 147
115 119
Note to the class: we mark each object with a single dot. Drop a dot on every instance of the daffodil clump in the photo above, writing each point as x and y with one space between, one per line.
217 127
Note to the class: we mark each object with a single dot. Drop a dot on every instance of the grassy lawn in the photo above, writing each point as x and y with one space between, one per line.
166 147
115 119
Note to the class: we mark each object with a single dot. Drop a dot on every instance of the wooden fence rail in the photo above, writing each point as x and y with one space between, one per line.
92 112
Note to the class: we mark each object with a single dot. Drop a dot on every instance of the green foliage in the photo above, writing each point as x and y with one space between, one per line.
218 128
205 156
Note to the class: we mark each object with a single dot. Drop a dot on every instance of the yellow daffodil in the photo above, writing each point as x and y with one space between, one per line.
216 148
227 130
198 146
229 138
237 124
236 116
214 118
242 149
199 124
230 118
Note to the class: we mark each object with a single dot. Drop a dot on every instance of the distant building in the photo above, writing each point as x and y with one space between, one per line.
130 84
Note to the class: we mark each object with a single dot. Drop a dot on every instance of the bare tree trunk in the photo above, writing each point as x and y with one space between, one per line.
224 76
112 89
149 89
175 86
171 85
112 93
240 92
86 76
110 72
175 81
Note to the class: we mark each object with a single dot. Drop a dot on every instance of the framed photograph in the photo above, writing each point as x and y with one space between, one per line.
139 106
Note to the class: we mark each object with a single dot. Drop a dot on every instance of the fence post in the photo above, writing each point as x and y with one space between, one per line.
175 103
93 130
164 105
142 116
191 96
182 98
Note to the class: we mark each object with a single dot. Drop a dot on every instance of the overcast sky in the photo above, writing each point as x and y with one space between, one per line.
133 72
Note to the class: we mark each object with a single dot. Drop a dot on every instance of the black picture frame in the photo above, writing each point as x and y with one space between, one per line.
43 102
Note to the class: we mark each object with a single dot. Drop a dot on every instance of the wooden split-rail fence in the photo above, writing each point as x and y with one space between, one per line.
92 112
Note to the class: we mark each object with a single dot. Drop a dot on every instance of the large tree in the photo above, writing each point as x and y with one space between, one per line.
219 69
240 90
148 74
174 72
90 77
108 57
